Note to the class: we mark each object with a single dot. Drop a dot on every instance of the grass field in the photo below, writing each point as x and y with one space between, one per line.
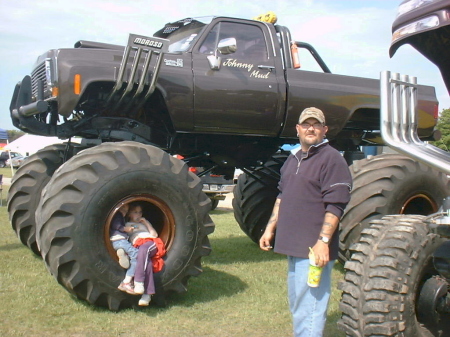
242 292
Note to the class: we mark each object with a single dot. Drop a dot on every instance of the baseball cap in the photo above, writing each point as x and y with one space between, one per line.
312 113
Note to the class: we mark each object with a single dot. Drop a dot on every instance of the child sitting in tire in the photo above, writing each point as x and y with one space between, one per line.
150 249
119 235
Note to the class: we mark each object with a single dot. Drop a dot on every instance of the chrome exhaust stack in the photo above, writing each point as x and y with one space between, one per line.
399 120
136 79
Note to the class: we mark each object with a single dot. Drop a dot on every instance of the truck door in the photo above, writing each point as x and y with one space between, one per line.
243 95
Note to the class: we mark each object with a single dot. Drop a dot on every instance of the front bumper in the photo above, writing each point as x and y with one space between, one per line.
217 191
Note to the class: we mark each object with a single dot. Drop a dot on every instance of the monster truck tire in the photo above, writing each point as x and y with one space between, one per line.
384 276
80 200
214 203
25 191
389 184
255 195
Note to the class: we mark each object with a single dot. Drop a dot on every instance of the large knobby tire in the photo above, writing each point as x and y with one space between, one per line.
389 184
384 276
26 187
255 195
84 194
214 203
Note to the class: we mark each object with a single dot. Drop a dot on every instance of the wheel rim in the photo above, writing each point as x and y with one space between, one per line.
420 204
161 215
433 291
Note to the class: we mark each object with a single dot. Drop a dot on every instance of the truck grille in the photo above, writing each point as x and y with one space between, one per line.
38 78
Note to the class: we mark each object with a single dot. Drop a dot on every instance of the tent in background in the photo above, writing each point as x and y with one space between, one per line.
3 134
29 144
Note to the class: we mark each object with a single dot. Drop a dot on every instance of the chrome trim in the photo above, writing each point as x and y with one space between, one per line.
399 119
271 39
135 68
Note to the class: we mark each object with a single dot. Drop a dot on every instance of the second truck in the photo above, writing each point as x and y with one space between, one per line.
397 282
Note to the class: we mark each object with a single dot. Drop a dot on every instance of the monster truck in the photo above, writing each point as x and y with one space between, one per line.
397 282
216 187
221 92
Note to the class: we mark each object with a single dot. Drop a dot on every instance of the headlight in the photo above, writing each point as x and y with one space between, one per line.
49 71
50 76
409 5
418 26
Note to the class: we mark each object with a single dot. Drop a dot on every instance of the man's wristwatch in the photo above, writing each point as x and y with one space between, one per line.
324 239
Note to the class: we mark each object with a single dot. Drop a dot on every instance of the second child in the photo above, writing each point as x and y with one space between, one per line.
150 252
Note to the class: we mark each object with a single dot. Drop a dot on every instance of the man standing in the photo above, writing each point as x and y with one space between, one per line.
314 190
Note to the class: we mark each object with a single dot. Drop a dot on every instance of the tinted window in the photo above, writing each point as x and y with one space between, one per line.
250 40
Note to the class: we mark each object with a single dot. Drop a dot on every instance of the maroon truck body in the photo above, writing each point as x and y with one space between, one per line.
239 113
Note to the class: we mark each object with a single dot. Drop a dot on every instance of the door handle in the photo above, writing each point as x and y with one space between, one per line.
269 68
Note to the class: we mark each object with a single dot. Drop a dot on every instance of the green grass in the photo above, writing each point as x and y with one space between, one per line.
6 171
242 292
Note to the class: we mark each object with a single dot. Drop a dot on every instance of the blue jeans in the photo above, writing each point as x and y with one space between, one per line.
131 252
308 305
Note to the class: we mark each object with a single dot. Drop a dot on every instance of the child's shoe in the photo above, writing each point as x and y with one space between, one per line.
145 300
124 260
139 288
127 287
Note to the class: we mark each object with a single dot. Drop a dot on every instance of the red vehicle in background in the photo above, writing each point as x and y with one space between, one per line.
215 186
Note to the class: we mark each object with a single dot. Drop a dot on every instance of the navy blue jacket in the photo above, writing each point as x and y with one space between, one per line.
117 226
310 186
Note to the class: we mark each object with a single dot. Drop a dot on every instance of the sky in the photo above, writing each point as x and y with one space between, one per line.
353 37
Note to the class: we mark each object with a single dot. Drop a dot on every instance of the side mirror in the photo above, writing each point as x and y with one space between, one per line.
214 61
227 46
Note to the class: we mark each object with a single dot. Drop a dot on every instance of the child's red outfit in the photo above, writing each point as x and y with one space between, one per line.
149 247
157 259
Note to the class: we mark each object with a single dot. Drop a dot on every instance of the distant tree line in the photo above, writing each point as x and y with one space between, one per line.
443 125
14 134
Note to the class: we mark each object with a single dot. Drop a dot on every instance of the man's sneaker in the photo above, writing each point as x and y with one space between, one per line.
145 300
127 287
124 260
139 288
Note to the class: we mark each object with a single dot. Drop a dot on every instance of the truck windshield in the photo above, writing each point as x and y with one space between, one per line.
182 33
